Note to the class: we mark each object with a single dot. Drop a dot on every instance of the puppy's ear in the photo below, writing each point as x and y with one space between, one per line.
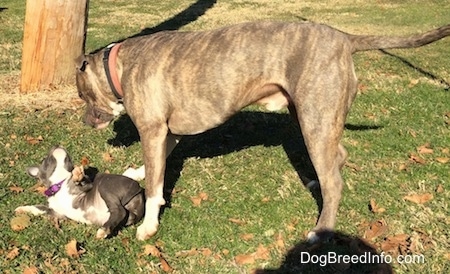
81 63
33 171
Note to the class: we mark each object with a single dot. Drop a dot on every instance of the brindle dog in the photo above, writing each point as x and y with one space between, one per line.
181 83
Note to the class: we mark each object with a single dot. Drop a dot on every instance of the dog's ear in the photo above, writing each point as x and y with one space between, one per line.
33 171
81 63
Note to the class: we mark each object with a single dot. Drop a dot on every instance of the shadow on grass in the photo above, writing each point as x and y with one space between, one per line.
323 258
245 129
190 14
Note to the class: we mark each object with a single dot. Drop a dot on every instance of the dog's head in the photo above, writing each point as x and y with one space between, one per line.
93 88
55 167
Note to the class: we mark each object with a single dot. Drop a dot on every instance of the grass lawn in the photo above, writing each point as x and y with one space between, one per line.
236 203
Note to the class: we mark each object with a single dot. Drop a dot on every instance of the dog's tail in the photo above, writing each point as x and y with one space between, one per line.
370 42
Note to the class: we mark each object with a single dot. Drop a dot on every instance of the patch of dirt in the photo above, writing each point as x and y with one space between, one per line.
58 97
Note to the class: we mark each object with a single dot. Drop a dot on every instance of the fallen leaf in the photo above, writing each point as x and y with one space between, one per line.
12 254
197 200
16 189
246 236
236 221
425 149
245 259
33 140
443 160
403 167
445 150
419 198
107 157
394 243
375 208
84 161
413 83
165 265
20 222
417 159
206 252
279 241
375 229
262 253
439 188
186 253
151 250
73 249
31 270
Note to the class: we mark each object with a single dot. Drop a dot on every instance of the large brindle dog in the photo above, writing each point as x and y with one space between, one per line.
180 83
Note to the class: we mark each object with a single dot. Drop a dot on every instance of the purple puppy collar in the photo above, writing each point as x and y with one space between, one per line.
53 189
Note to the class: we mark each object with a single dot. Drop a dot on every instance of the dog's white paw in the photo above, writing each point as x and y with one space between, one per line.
312 237
29 209
135 174
101 234
145 231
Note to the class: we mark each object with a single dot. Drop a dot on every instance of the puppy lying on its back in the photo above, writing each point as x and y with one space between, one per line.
109 201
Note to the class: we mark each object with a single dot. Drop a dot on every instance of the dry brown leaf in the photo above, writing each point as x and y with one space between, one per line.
16 189
375 208
236 221
33 140
262 253
417 159
84 161
107 157
246 236
375 229
31 270
445 150
443 160
279 241
20 222
206 252
419 198
439 188
151 250
165 265
197 200
73 249
403 167
425 149
245 259
394 243
186 253
12 254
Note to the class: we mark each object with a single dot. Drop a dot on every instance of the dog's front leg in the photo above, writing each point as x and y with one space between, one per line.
139 174
154 141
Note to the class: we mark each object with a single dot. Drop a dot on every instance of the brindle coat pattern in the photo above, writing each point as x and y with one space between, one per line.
180 83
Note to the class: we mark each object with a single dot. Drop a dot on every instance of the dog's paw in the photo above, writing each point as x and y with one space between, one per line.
312 237
135 174
102 233
29 209
145 231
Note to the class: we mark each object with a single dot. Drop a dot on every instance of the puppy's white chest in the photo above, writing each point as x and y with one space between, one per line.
62 203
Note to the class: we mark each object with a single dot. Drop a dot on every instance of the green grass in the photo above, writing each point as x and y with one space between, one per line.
245 167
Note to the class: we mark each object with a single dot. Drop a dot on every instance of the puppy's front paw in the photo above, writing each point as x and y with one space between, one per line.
135 174
145 231
102 233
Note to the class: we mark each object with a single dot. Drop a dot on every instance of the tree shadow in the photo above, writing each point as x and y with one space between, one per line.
323 257
189 15
427 74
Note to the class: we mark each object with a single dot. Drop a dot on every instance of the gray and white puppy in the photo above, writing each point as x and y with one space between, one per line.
109 200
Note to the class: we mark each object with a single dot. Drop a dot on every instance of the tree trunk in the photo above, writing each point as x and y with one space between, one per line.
54 36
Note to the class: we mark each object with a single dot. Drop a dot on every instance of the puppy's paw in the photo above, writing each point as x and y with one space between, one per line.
29 209
145 231
312 237
135 174
77 174
102 233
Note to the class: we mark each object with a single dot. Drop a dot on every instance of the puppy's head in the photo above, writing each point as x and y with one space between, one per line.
56 166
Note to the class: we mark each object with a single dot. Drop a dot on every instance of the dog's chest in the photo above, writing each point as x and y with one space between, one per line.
94 212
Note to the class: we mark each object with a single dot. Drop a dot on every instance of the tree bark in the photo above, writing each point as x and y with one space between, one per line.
54 36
